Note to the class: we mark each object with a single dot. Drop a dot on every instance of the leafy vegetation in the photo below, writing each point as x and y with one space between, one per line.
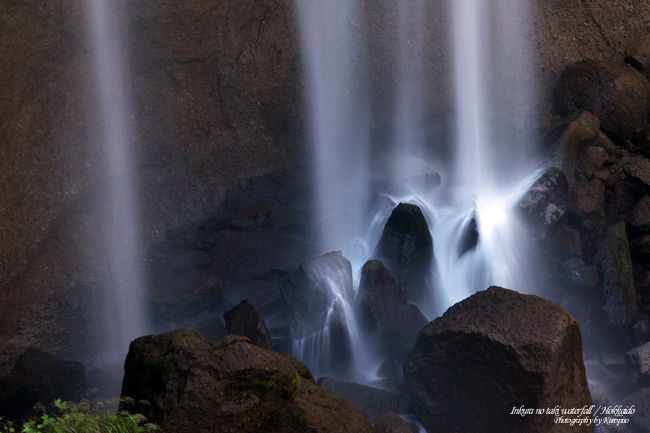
82 417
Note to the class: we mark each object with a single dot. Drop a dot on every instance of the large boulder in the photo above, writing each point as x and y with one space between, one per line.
244 319
188 385
383 307
616 93
615 267
492 352
637 55
39 377
406 248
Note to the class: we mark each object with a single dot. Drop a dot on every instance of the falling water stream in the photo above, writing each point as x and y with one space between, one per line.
492 166
119 301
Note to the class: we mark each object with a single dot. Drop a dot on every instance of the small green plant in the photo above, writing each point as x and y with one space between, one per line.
82 417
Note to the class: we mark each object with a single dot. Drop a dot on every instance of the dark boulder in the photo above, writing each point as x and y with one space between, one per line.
244 319
639 360
187 385
490 353
587 197
39 377
615 267
406 248
545 203
616 93
373 402
384 309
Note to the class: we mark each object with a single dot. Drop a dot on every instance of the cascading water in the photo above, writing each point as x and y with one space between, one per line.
478 240
124 316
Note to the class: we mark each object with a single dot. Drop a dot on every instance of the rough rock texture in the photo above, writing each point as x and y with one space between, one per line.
615 266
229 385
39 377
391 423
640 216
373 402
406 248
244 319
616 93
494 351
383 307
545 202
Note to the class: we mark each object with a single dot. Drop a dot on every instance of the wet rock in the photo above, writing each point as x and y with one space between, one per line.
319 293
244 319
615 266
186 385
546 202
373 402
406 248
39 377
391 422
638 167
383 305
569 240
577 136
470 236
641 329
586 276
616 93
637 55
587 197
530 354
640 216
640 421
592 160
639 359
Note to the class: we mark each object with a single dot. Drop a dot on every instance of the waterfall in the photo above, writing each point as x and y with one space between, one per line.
119 300
478 239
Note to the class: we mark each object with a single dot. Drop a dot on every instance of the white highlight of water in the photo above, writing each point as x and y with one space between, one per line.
124 314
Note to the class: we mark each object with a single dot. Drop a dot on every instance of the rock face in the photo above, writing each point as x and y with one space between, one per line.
616 93
244 319
406 248
230 386
497 350
638 55
39 376
615 266
383 307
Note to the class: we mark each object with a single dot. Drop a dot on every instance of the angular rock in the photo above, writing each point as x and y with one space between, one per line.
639 359
186 384
640 216
497 350
244 319
545 202
384 309
615 268
616 93
372 402
391 422
470 236
406 248
36 377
